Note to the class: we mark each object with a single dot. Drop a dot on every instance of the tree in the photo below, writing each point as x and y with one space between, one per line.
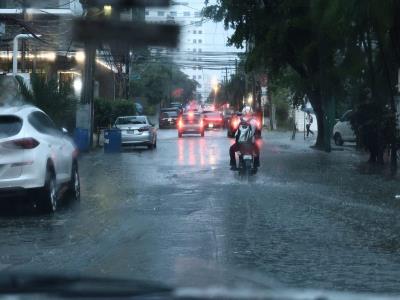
52 97
281 34
336 48
161 82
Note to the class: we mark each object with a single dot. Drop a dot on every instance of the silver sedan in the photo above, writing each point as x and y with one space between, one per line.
137 131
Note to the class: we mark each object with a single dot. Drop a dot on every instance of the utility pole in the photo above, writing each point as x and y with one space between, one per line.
85 110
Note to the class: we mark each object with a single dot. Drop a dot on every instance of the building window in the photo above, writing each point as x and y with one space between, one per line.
199 85
199 77
194 31
194 49
160 13
194 41
172 13
200 41
194 77
186 13
200 32
196 14
198 24
199 50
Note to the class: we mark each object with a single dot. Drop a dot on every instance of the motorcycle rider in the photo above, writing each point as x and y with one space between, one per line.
245 134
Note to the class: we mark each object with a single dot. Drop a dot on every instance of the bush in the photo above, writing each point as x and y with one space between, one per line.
372 124
106 111
282 115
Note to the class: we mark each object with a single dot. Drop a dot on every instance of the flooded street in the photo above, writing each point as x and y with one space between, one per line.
306 219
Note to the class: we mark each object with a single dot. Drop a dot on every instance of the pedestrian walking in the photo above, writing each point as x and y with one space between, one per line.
309 120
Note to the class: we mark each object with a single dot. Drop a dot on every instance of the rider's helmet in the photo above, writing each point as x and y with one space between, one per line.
247 113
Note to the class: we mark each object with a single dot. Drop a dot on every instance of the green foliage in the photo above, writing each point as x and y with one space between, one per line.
231 92
106 111
334 49
157 81
53 98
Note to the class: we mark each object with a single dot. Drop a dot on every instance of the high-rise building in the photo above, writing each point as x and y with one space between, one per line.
203 53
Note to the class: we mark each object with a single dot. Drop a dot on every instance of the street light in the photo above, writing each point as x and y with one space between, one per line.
15 49
250 99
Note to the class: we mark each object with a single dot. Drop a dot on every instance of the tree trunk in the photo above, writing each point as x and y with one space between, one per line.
323 112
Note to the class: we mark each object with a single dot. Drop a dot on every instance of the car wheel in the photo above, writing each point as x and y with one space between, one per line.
338 139
75 183
202 133
179 134
49 197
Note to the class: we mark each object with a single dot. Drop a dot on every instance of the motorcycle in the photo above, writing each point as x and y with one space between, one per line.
246 162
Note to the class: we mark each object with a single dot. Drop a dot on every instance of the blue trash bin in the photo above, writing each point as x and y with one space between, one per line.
81 139
112 140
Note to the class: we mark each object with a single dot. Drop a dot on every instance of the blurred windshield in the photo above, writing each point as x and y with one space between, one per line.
170 114
130 120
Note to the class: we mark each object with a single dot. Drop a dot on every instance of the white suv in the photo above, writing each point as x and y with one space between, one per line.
35 156
342 131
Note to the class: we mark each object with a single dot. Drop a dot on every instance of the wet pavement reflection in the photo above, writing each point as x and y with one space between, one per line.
307 219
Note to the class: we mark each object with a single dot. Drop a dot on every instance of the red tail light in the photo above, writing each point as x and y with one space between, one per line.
143 129
25 143
236 123
180 123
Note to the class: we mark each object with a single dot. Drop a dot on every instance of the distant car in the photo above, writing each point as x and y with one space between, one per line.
163 121
342 131
190 122
168 119
137 131
213 119
233 124
227 114
36 157
178 106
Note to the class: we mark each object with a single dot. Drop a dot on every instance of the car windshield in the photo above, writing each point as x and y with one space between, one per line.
131 121
9 126
212 114
219 146
170 114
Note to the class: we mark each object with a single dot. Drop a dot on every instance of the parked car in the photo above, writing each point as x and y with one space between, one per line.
213 119
342 131
233 124
168 119
137 131
190 122
36 157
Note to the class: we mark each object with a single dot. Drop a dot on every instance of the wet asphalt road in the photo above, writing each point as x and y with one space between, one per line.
307 219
